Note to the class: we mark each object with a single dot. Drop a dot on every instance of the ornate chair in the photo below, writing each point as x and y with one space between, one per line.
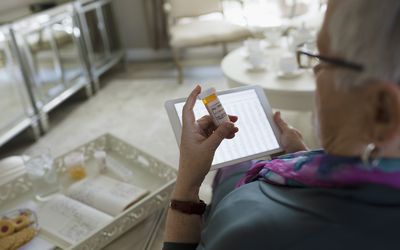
187 29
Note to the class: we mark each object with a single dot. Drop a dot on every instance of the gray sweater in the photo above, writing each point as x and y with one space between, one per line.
264 216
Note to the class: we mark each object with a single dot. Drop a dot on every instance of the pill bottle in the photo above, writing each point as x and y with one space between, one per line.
214 106
100 157
116 170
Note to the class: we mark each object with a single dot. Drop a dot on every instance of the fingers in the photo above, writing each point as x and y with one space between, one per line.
226 130
206 121
187 112
282 125
233 118
298 133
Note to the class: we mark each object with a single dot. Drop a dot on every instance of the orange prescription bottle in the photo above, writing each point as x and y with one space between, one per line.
214 106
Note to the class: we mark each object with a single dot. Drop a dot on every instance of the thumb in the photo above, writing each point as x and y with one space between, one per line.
282 125
225 130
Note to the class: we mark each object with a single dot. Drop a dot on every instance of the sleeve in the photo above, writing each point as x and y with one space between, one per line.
179 246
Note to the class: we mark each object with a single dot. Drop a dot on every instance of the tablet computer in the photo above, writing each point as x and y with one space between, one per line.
258 134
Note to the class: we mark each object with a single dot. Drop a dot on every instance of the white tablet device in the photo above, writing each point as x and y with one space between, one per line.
258 134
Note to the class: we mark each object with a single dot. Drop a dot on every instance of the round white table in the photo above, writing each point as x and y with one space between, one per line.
283 93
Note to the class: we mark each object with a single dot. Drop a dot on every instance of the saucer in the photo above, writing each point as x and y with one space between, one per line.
289 75
251 68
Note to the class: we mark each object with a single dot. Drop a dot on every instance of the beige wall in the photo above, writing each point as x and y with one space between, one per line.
129 16
130 19
131 23
11 4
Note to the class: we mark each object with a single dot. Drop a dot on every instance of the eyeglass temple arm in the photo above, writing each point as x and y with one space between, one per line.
335 61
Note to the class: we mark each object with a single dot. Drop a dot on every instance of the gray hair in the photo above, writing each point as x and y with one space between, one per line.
367 32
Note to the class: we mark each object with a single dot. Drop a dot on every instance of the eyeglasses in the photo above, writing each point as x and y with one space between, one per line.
306 59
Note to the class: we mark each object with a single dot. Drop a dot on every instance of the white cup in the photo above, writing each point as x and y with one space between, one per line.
288 64
273 36
256 60
299 37
253 46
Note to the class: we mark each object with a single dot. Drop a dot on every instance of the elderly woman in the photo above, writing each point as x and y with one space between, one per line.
345 196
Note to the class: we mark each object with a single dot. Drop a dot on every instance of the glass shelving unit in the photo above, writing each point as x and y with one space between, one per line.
53 55
16 110
100 36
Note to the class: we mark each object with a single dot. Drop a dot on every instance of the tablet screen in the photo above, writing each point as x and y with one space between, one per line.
255 132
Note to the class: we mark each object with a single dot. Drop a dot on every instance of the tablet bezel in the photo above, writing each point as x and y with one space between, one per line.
177 128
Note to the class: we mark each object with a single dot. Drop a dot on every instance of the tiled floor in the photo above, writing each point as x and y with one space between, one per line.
130 105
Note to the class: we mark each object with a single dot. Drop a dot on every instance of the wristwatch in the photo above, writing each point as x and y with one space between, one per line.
188 207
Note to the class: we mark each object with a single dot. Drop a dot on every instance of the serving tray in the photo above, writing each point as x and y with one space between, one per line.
149 173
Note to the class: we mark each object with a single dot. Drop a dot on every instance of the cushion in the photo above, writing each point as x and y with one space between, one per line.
191 8
206 32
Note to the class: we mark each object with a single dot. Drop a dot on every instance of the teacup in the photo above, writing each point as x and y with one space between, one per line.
300 36
256 60
253 46
288 64
273 36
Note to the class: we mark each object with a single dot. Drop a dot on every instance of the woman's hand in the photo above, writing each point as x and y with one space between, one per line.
199 142
291 139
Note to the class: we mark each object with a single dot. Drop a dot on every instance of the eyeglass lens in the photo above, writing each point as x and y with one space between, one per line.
306 61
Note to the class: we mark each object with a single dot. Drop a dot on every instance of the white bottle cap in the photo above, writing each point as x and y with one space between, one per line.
206 93
74 159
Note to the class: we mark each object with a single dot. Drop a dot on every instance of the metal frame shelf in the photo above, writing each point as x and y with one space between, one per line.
100 35
52 55
18 112
53 74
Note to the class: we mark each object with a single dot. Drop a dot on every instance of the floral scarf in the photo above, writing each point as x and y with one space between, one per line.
318 169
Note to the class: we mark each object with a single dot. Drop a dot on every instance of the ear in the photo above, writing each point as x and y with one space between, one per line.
384 98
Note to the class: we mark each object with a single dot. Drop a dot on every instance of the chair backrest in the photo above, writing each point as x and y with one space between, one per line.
192 8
